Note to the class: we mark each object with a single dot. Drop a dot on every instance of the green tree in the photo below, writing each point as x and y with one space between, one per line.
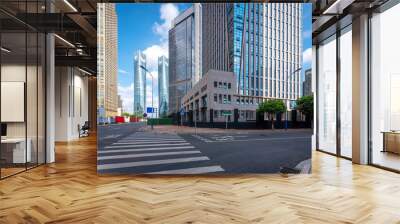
272 107
305 105
126 114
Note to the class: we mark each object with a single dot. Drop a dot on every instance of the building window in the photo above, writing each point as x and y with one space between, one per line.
215 84
215 98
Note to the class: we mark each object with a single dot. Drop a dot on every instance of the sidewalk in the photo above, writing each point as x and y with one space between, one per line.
191 130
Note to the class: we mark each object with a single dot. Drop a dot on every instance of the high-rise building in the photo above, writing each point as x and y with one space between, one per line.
184 55
139 83
163 86
120 106
260 42
107 68
307 83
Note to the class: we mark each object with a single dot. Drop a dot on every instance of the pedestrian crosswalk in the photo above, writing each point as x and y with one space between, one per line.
154 153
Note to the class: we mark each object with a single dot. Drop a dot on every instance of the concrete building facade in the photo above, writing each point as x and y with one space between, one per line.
107 59
214 99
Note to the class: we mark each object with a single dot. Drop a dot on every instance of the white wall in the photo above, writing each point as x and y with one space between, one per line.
71 103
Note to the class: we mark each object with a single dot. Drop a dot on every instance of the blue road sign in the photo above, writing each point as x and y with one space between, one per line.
150 110
182 111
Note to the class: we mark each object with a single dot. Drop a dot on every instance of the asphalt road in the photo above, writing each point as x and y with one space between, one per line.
128 149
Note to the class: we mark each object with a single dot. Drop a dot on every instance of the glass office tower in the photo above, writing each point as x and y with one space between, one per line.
182 50
139 97
163 86
260 43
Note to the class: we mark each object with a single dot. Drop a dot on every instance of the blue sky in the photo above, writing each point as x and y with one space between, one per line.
144 26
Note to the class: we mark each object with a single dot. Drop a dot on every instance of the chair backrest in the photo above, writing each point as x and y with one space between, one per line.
86 125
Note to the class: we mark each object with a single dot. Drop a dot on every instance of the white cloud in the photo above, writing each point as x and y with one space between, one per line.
126 93
122 71
307 56
153 52
167 13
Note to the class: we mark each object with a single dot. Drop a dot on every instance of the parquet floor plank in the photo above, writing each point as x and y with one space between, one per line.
70 191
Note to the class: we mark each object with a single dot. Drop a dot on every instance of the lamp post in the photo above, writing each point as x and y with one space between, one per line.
152 91
287 105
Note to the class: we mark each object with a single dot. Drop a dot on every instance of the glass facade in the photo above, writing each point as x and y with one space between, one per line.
22 77
163 86
358 84
264 47
327 95
181 61
346 92
139 84
385 89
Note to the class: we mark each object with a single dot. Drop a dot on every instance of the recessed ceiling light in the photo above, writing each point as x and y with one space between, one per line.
64 40
84 71
70 5
5 50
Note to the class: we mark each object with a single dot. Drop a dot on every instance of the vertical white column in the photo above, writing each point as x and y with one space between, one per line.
360 90
314 90
50 99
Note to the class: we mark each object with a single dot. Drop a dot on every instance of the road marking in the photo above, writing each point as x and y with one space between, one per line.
151 162
143 149
150 139
144 145
147 155
149 142
223 138
201 138
111 136
197 170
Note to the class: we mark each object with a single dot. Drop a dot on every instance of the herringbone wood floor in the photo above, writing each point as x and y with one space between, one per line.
70 191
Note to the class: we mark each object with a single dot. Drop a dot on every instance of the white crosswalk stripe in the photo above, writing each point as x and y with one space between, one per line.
152 153
151 162
197 170
151 142
144 149
147 154
144 145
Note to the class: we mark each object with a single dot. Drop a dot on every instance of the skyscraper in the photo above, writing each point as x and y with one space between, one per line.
184 55
307 83
260 42
107 68
139 83
163 86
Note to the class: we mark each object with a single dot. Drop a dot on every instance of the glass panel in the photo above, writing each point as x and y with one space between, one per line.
346 92
385 84
13 87
327 95
31 98
41 99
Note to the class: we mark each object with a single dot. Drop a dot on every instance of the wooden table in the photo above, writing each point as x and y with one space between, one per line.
391 141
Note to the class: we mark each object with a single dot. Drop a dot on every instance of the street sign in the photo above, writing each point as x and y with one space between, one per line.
150 110
182 111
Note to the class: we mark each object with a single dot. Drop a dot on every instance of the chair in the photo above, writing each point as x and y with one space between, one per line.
84 130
